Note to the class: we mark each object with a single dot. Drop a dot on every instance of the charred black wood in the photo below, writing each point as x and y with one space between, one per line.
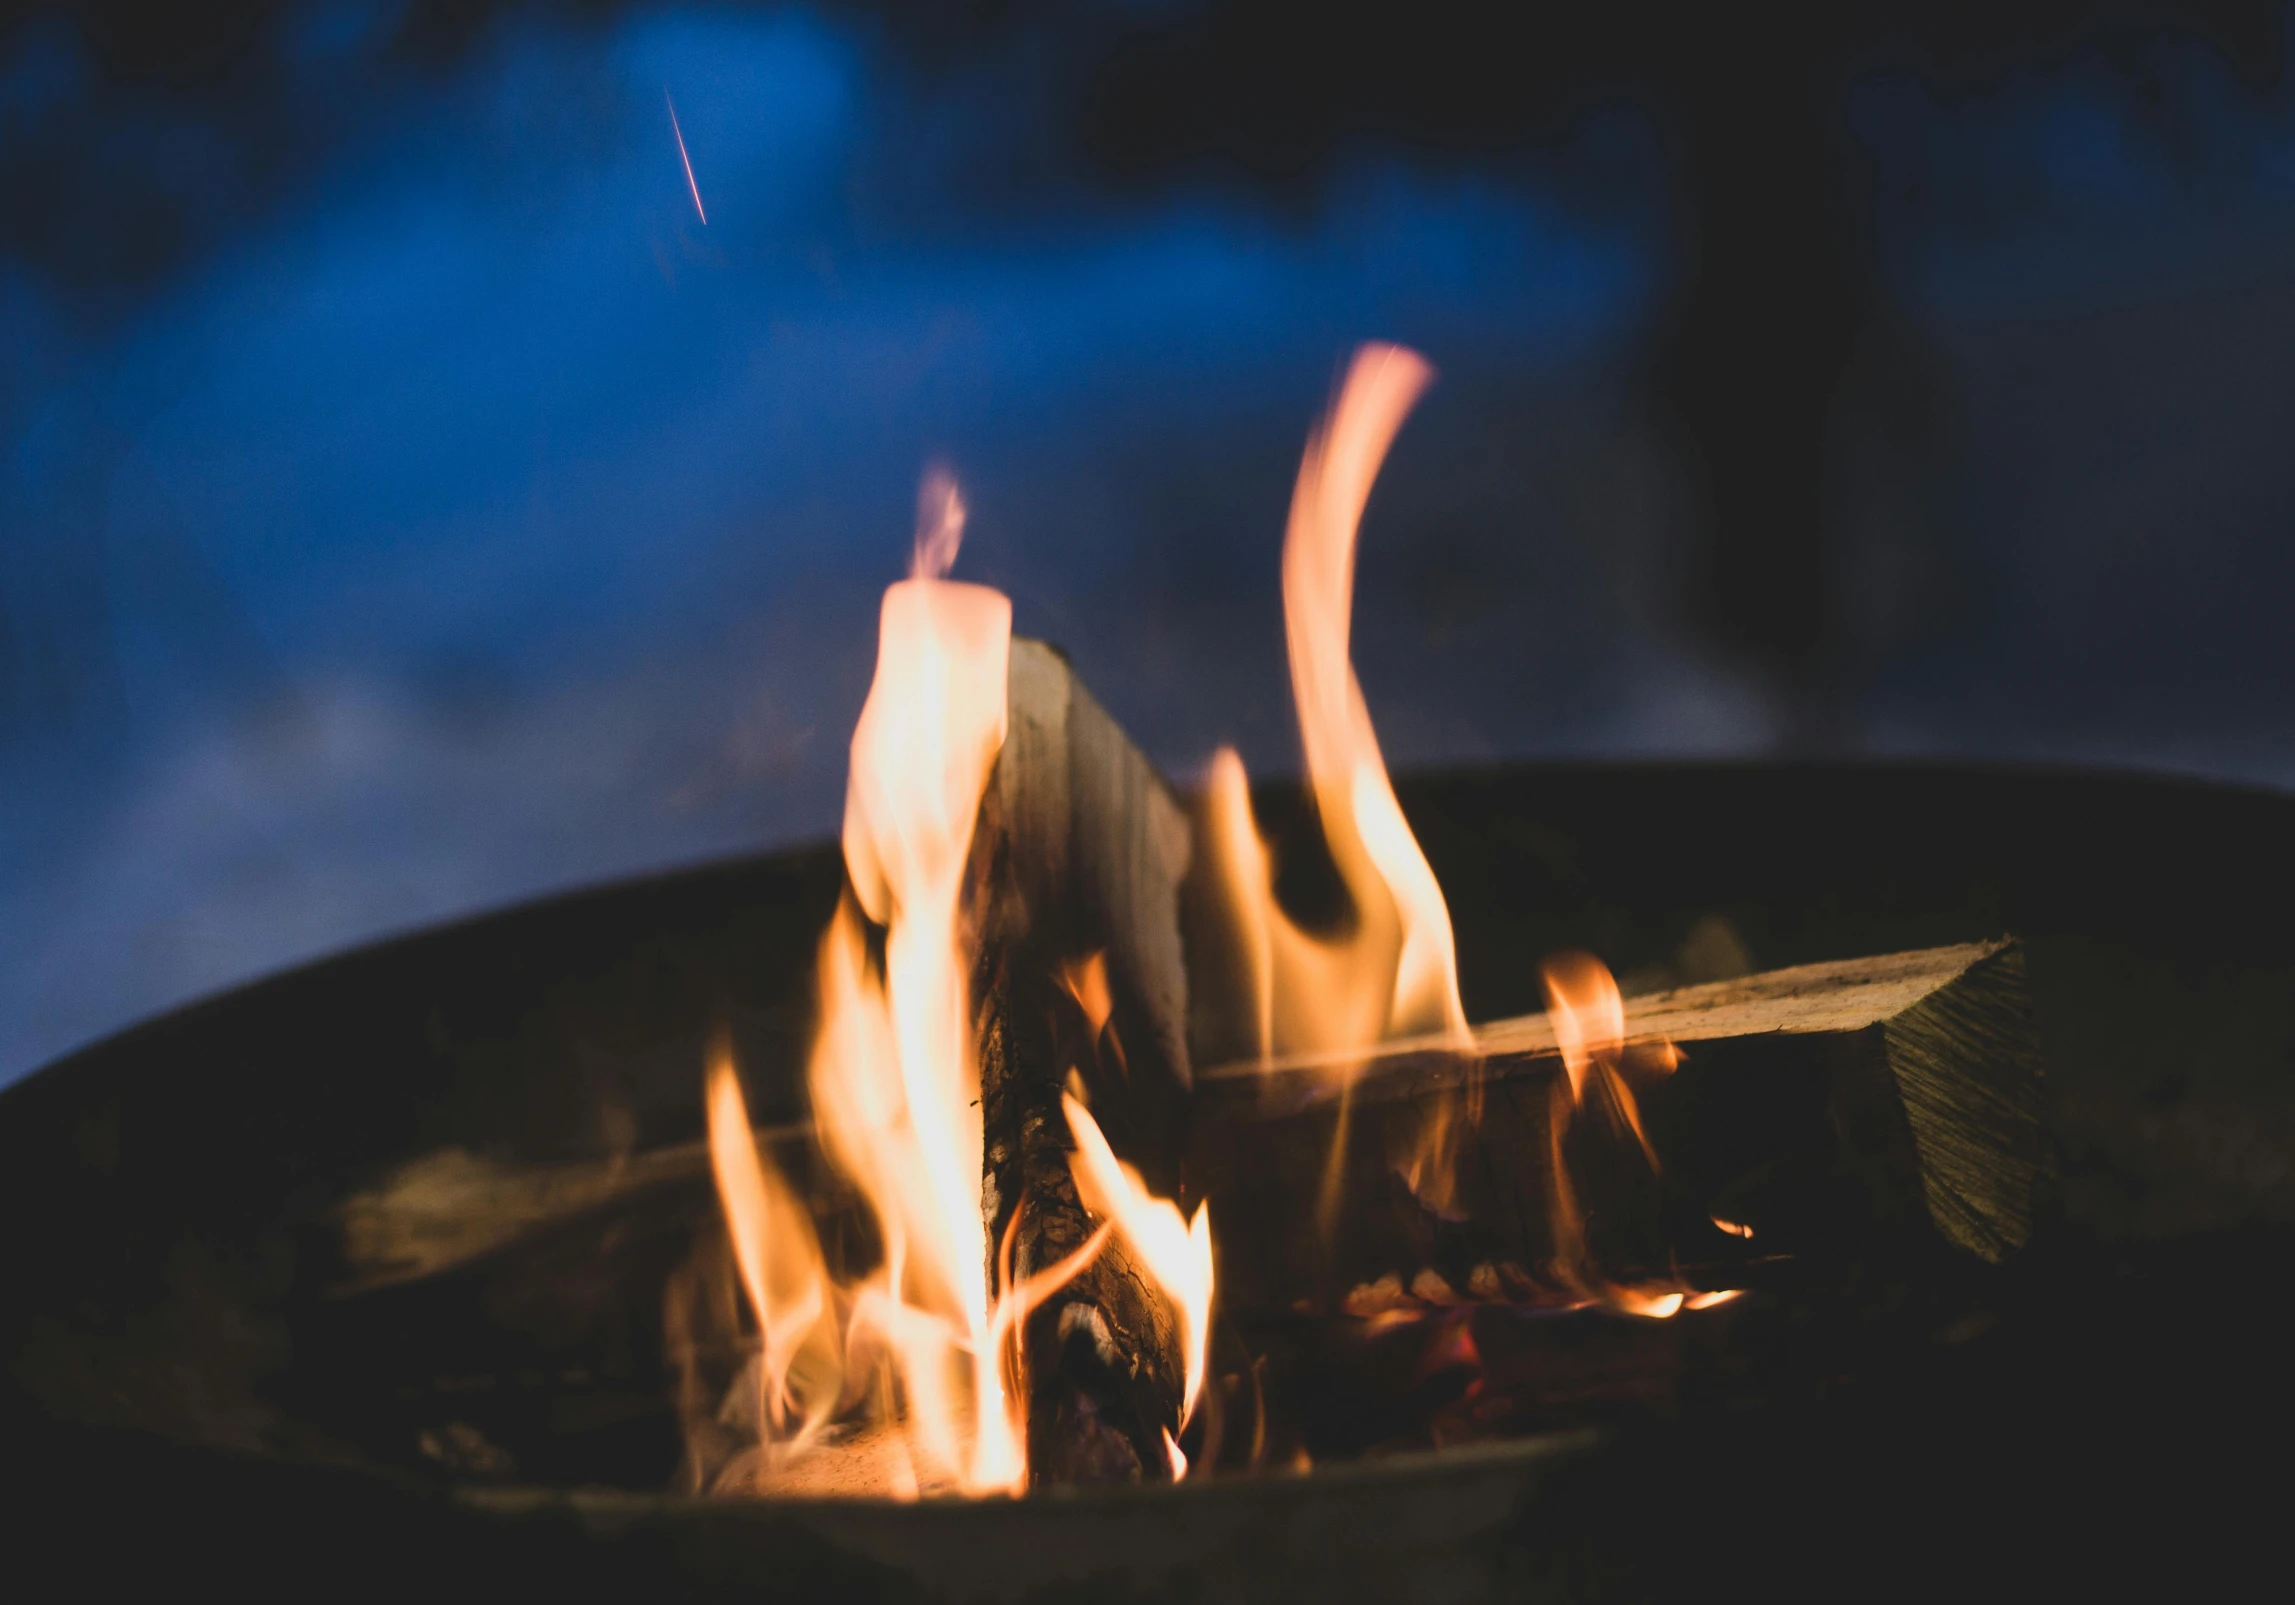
1077 861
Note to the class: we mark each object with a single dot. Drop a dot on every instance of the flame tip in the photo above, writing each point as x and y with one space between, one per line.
940 515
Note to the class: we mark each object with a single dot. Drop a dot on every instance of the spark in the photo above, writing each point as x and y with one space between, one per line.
687 160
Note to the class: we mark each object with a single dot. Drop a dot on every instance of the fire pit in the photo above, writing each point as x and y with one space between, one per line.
1135 1155
192 1390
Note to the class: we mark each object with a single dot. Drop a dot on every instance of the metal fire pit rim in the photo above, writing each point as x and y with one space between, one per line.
614 1506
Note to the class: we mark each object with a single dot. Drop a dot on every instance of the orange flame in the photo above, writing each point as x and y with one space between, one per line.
1087 982
894 1079
779 1259
1587 1013
895 1086
1176 1252
1362 821
1589 1019
905 1123
1395 972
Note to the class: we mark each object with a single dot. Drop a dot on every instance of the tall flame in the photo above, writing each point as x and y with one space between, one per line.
895 1085
894 1080
1394 972
1362 821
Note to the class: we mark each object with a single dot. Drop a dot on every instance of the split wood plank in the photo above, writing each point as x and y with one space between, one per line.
1833 1108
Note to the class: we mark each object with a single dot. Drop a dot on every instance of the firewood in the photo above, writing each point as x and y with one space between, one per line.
1106 844
1079 851
451 1208
1819 1113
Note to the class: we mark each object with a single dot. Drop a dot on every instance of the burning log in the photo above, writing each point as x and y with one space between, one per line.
1817 1114
1080 981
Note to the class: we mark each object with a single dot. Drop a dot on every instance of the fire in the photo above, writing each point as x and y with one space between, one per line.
896 1087
1176 1252
913 1366
779 1260
1598 1064
926 1340
1589 1019
1362 821
894 1082
1394 972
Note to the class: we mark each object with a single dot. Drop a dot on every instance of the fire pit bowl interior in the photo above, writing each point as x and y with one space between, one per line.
204 1380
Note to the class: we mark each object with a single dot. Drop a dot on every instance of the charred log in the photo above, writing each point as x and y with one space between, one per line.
1077 861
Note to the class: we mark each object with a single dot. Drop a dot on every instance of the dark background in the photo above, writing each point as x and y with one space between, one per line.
407 504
